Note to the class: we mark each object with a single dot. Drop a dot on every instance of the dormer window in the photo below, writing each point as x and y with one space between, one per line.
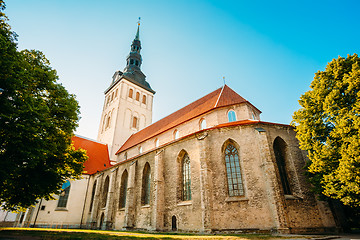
202 124
231 116
176 134
131 61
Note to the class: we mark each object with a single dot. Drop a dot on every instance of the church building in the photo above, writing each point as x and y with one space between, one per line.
212 166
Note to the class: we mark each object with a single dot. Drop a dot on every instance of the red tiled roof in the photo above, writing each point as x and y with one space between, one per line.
97 152
221 97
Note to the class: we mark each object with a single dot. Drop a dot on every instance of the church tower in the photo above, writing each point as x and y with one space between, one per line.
128 102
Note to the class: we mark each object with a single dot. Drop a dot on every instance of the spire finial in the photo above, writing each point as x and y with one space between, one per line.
224 80
137 36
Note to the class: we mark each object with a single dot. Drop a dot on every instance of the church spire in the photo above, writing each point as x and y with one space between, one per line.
134 60
132 70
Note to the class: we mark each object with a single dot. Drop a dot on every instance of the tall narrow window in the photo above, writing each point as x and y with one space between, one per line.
146 179
108 121
123 189
135 122
186 178
231 116
131 93
144 99
137 96
157 142
64 195
233 171
280 155
105 192
92 196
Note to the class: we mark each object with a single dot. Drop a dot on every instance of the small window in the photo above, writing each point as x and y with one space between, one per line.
42 208
135 122
112 97
131 61
157 143
116 92
131 93
64 195
253 116
140 150
231 116
125 156
176 134
144 99
137 96
136 63
202 124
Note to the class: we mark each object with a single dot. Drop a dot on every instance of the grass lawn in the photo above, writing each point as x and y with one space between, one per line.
57 234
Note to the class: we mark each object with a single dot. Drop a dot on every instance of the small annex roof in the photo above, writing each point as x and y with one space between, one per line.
221 97
97 152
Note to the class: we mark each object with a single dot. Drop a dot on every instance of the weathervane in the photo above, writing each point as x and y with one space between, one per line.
224 80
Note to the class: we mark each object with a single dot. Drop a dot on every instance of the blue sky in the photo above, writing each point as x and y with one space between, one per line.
268 51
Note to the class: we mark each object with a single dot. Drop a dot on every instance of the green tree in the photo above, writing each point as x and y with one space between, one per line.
328 127
37 120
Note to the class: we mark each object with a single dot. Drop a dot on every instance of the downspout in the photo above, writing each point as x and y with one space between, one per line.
37 213
82 215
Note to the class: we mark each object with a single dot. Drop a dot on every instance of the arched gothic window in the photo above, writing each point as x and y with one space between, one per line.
146 180
123 189
186 178
64 195
105 192
233 171
280 155
231 116
92 196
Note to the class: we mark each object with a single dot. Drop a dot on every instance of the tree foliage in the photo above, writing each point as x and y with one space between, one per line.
328 127
37 120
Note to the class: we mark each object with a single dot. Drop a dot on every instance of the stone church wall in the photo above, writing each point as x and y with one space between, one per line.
263 207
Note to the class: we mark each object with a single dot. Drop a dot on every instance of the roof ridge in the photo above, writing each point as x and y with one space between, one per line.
217 101
89 139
